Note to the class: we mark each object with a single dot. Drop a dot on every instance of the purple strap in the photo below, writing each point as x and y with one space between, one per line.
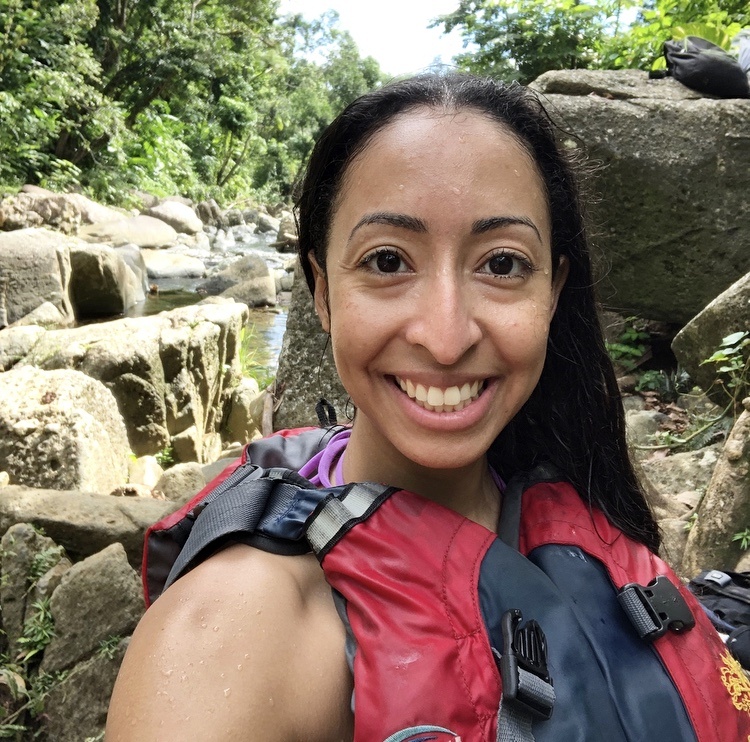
331 461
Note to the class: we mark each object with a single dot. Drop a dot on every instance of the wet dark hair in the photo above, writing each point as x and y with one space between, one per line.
574 417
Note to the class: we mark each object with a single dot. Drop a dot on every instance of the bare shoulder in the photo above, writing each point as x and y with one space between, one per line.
247 646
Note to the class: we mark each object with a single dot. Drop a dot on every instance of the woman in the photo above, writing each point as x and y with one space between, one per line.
441 235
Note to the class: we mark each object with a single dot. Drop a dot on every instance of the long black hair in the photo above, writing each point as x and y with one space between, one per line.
574 417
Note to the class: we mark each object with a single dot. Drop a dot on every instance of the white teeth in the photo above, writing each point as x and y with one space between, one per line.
435 396
436 399
452 396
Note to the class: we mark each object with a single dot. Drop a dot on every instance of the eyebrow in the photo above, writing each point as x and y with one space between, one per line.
414 224
404 221
497 222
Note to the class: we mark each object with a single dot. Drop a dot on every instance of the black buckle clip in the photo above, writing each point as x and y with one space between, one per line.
524 648
664 605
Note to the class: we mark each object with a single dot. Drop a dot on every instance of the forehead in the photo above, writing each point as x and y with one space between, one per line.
444 162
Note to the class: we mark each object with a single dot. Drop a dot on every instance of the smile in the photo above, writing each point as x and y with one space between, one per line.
435 399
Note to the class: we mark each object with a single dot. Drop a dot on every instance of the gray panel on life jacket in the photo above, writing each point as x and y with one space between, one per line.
595 701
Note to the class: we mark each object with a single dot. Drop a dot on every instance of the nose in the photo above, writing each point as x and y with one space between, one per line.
444 319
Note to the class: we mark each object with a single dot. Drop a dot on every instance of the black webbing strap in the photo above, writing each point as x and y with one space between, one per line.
236 514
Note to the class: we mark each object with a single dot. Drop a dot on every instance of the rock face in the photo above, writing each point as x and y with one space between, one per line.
674 183
34 269
169 373
81 522
726 507
306 368
144 231
98 598
60 429
247 280
102 282
179 216
161 264
727 313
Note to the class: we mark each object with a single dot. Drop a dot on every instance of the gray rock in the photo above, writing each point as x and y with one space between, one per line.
161 264
46 315
674 537
144 231
641 426
682 478
306 373
145 470
97 599
267 223
49 205
209 213
248 280
76 709
17 342
83 523
34 268
178 215
131 254
726 506
727 313
673 188
620 85
167 372
60 429
181 482
26 556
233 218
102 282
242 425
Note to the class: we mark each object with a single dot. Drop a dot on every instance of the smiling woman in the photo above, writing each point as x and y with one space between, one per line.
484 481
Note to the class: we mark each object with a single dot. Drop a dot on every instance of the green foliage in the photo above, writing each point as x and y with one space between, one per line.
250 364
108 647
630 345
743 537
732 360
209 98
521 39
43 561
165 457
38 632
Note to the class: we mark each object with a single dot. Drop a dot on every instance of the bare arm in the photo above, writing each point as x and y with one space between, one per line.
247 646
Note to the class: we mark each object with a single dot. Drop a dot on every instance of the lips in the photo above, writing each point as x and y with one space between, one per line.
437 399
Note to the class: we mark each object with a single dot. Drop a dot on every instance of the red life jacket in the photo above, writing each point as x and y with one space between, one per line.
424 589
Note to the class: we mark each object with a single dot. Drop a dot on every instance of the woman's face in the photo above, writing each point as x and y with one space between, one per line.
439 291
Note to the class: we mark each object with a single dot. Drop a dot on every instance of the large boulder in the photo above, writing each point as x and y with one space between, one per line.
725 509
179 216
674 181
727 313
248 280
34 269
169 373
35 206
16 343
83 522
61 429
306 368
102 283
144 231
163 264
98 598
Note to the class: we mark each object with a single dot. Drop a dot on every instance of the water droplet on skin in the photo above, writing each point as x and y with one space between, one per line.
200 662
270 701
257 613
203 625
227 691
247 655
239 667
216 628
167 673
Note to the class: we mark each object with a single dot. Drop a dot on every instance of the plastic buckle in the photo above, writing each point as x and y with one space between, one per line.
722 579
524 648
664 604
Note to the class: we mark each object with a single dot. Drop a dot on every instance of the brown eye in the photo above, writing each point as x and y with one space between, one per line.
501 265
388 262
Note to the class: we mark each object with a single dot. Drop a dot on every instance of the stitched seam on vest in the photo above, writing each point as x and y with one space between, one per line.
446 607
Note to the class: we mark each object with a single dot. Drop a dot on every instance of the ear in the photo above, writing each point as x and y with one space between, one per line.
320 295
561 275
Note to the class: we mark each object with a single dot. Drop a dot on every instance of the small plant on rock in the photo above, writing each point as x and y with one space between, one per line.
744 538
732 359
631 345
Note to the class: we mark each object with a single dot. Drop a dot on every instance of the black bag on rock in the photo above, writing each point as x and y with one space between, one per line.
726 598
706 68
